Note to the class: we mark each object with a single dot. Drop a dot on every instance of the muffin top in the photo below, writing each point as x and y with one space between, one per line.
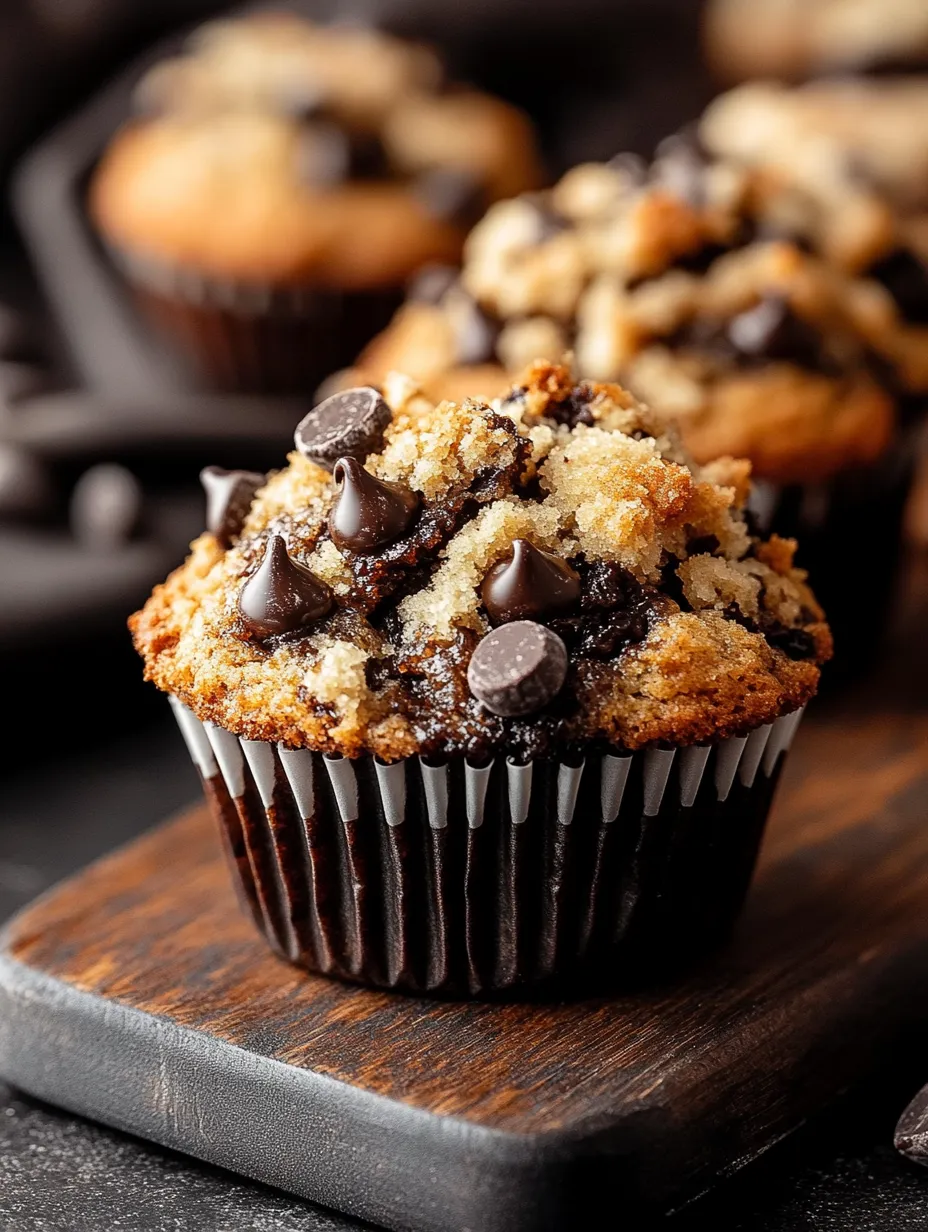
276 150
678 281
540 576
844 166
799 38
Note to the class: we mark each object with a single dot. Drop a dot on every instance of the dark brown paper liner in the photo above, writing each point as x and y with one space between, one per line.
507 907
250 339
850 540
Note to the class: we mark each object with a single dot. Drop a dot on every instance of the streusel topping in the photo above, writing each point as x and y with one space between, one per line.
344 615
683 282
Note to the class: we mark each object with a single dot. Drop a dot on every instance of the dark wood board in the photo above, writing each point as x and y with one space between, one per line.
137 994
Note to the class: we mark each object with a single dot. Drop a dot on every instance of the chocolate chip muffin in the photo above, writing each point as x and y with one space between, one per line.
805 38
842 167
684 281
486 695
281 182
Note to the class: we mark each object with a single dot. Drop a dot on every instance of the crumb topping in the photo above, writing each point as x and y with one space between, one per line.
690 281
680 625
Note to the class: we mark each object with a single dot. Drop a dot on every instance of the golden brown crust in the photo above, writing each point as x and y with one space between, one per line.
584 472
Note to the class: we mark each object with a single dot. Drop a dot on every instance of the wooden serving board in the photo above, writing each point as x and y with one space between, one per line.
137 994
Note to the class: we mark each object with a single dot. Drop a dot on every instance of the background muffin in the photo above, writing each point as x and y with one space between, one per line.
843 168
283 180
802 38
683 282
504 630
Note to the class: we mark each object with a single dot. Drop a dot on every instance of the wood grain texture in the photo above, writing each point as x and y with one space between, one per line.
677 1084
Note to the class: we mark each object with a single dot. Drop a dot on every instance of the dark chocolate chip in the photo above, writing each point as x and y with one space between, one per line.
282 596
680 166
530 585
26 491
905 277
368 158
453 194
432 283
349 424
518 668
368 512
911 1136
323 156
575 408
795 643
474 333
228 498
614 611
106 507
771 330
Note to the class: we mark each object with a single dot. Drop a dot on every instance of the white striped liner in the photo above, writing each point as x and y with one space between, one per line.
215 751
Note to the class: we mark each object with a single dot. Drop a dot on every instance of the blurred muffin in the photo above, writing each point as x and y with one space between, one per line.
283 180
672 280
803 38
497 697
843 168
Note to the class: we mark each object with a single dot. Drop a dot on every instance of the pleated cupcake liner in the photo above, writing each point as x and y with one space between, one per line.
474 881
252 337
850 540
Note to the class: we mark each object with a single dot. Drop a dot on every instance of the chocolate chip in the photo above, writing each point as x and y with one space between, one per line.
368 512
518 668
905 277
474 333
795 643
282 596
530 585
680 166
911 1135
106 507
228 498
323 156
368 158
349 424
575 408
773 331
432 283
614 611
26 490
452 194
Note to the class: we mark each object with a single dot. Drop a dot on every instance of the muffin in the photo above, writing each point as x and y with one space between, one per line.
281 182
487 697
804 38
680 282
842 166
